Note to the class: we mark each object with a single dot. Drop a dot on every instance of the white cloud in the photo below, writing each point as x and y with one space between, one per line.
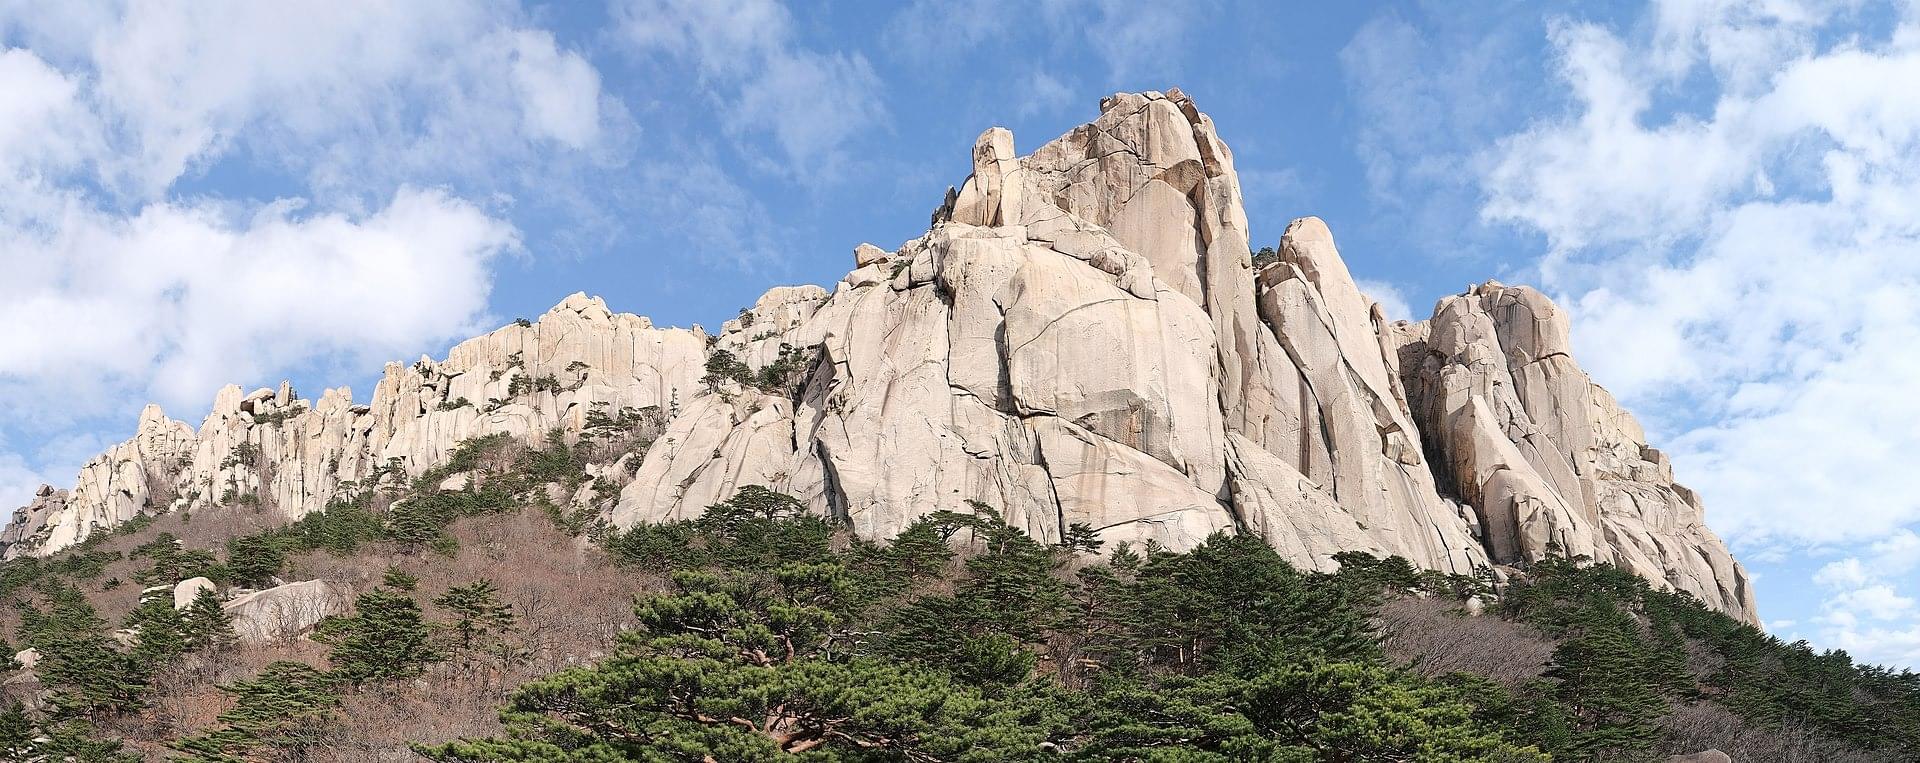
811 104
356 101
17 480
1777 313
1136 40
1424 92
1392 301
1863 612
1744 270
698 202
178 299
125 281
1042 93
1846 573
559 90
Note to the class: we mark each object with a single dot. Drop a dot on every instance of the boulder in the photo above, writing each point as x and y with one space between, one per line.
868 254
1706 756
286 611
187 590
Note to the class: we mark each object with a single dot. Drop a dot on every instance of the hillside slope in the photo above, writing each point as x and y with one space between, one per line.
1081 338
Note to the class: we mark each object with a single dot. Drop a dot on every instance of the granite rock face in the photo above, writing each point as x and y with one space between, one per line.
286 611
292 455
1547 456
1079 338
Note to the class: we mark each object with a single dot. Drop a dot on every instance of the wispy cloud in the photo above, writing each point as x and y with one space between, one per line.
809 103
1135 41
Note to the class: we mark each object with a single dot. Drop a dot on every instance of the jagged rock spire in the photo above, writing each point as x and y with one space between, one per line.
1079 338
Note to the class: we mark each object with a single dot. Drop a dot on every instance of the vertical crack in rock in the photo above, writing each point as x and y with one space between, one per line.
1096 348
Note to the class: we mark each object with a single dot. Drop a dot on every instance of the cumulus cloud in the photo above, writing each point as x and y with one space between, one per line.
178 299
348 98
364 137
1781 305
810 104
1746 273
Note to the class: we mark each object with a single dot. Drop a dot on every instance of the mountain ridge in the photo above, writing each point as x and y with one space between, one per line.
1080 338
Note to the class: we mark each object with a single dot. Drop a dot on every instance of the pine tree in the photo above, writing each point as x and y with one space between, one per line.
172 562
17 733
281 707
160 629
254 560
1603 681
80 742
399 580
384 638
477 610
1667 661
205 624
82 664
1080 537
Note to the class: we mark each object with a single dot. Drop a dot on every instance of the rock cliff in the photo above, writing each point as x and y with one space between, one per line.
1080 337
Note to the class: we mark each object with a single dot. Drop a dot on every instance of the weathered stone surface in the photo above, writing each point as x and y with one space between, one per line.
1705 756
1079 337
292 454
868 254
186 590
287 611
1545 456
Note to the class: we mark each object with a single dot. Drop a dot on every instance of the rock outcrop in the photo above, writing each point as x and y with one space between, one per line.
286 611
277 450
187 590
1548 458
1079 338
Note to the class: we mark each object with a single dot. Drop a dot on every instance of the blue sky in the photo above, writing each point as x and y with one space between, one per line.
1725 194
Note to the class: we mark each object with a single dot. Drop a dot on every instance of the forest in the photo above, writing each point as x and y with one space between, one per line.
490 625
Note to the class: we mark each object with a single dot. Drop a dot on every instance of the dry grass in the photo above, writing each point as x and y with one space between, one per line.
571 602
1434 637
1704 726
185 697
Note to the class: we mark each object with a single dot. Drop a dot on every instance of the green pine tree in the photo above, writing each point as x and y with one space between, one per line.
1603 681
17 733
80 742
80 662
254 560
282 708
205 624
160 630
477 611
384 638
399 580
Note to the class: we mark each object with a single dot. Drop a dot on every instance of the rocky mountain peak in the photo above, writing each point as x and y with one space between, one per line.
1079 338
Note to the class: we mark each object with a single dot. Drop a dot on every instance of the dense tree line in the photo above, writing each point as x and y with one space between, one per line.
782 636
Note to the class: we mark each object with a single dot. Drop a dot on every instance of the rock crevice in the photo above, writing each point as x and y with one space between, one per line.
1080 337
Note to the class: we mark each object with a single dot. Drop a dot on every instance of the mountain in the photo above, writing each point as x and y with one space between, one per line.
1083 340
